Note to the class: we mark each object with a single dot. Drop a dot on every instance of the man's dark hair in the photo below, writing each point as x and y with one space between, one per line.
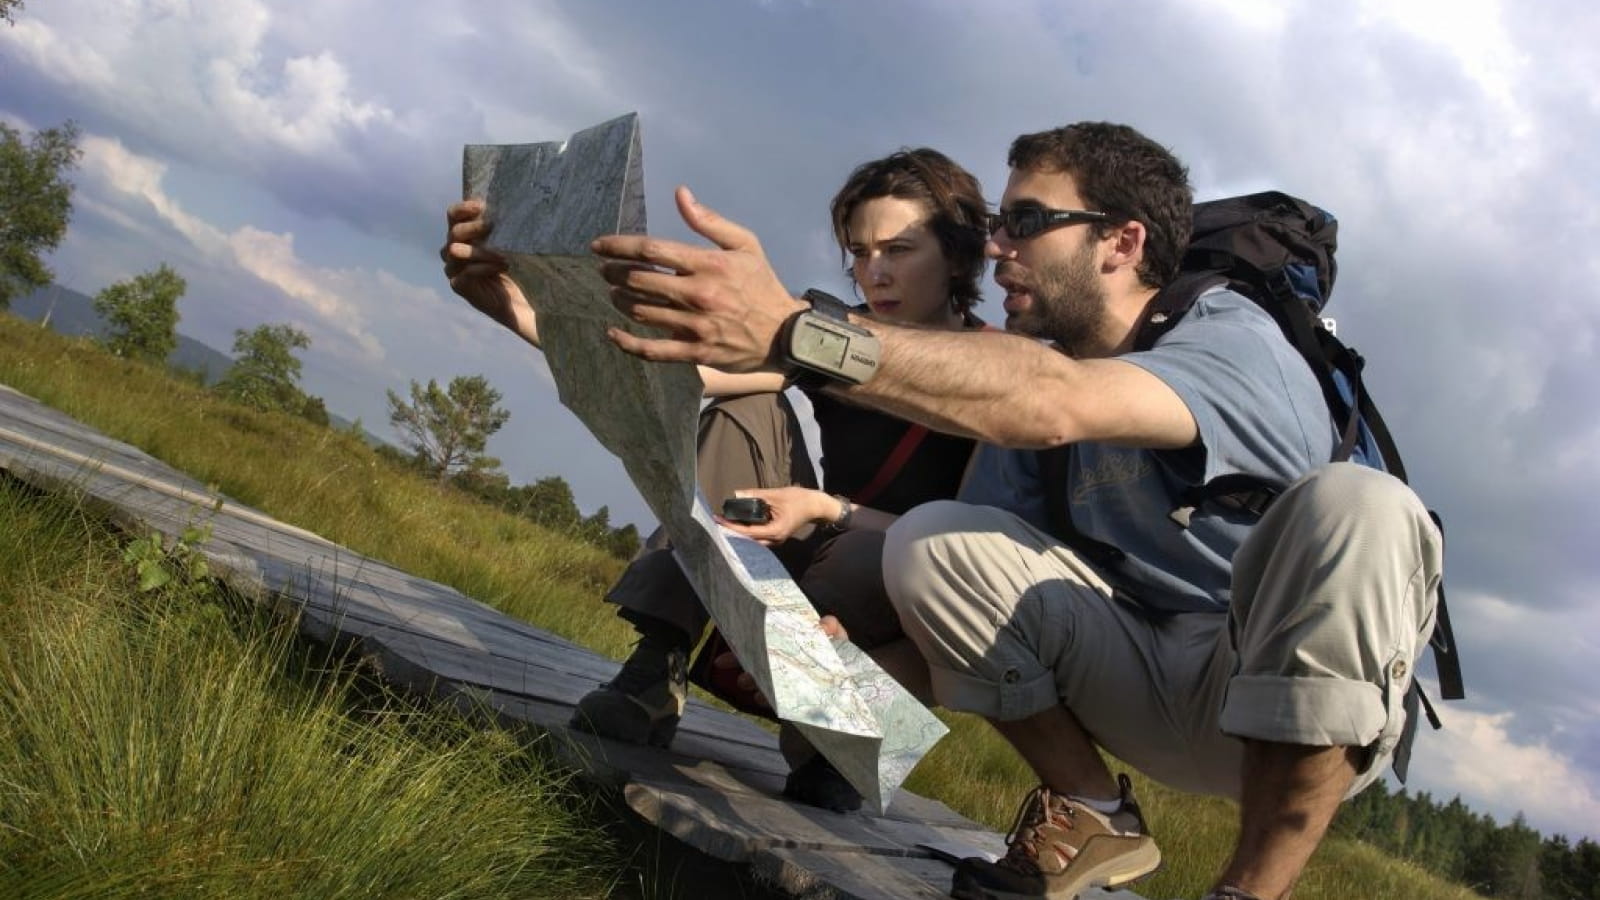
1120 171
952 197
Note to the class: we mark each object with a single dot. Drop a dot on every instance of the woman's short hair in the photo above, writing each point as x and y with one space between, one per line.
952 196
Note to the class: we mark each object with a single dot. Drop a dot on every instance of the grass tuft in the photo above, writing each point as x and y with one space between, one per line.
172 744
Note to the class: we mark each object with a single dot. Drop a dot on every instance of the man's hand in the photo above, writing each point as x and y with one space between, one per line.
721 307
479 274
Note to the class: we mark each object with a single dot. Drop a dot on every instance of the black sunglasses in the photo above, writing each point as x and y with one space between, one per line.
1024 222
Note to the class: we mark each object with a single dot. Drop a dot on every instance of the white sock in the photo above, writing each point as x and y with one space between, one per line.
1106 807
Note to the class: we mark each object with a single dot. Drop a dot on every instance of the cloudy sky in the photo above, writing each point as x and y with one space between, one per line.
293 161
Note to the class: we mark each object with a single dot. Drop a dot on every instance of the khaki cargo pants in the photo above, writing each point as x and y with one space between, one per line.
1334 595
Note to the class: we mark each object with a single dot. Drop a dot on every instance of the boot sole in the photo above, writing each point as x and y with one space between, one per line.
1114 873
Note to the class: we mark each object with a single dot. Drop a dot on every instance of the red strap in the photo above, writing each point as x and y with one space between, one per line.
891 466
897 459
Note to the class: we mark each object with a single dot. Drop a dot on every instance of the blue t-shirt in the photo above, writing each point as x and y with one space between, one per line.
1259 411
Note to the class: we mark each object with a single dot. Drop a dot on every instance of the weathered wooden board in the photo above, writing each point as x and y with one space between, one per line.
717 789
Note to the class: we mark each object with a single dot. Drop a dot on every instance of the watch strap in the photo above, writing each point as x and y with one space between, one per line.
827 304
846 512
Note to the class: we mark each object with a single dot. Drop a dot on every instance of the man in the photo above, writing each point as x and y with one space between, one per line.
1265 660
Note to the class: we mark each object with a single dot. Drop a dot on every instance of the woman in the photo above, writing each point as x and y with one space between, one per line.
913 227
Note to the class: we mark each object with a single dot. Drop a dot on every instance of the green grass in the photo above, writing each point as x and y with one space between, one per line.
326 481
172 744
333 484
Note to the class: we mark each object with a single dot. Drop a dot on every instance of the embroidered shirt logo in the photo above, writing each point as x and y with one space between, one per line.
1113 467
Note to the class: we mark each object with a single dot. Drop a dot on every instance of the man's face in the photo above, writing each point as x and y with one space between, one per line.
1052 280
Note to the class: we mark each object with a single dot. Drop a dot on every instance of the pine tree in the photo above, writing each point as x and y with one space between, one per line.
448 428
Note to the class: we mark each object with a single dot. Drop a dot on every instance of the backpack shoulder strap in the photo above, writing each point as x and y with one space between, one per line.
1446 656
1170 304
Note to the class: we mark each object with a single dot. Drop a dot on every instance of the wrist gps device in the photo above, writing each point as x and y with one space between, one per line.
820 345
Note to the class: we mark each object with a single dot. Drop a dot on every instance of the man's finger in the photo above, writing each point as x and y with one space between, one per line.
648 285
651 251
655 349
725 233
649 311
617 272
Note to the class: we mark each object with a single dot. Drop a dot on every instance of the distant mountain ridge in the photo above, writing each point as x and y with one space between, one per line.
72 313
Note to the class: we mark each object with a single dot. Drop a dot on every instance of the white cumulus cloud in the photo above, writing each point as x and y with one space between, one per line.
335 299
1481 756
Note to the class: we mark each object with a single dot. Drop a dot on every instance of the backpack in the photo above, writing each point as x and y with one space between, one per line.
1279 252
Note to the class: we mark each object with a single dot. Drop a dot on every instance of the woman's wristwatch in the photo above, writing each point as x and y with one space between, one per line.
842 521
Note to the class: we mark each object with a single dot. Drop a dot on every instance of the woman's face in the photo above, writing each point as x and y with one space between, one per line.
897 262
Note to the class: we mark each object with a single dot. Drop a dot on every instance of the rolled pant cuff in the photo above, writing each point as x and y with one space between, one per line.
1314 712
1005 701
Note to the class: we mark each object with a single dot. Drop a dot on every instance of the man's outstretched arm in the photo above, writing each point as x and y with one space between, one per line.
724 307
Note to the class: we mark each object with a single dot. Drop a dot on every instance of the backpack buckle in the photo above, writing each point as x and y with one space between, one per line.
1181 516
1255 503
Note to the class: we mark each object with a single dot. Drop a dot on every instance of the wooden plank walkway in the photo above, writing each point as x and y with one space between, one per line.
717 790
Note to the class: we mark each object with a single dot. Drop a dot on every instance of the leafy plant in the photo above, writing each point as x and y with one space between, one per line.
143 314
35 198
176 563
266 372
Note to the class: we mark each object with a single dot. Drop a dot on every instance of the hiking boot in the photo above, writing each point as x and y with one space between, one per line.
1059 847
817 783
643 704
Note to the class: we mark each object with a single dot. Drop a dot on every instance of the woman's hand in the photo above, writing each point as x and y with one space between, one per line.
728 662
479 275
793 508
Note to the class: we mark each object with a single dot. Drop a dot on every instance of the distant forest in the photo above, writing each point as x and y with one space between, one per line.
1452 841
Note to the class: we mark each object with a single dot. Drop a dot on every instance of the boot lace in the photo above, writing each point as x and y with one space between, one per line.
1023 841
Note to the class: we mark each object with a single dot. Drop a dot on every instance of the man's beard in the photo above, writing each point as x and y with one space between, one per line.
1069 304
